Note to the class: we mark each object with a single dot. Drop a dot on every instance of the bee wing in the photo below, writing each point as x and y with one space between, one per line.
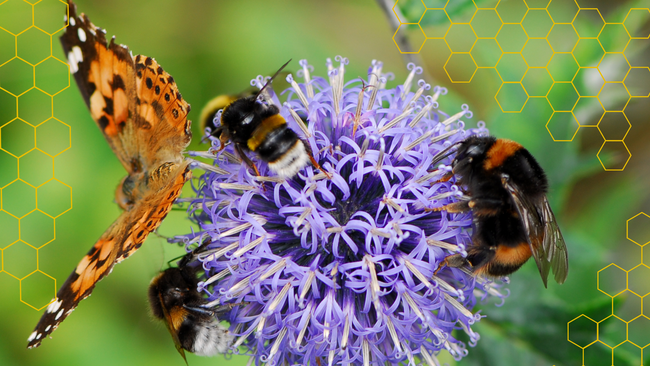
544 236
171 326
554 245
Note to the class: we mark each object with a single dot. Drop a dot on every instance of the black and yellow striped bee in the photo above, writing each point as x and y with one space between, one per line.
254 126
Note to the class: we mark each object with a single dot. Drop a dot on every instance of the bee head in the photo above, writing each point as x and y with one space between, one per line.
472 149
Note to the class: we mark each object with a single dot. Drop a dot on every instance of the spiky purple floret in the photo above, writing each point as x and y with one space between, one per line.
343 270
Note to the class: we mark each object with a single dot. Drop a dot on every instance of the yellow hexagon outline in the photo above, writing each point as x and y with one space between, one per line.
612 169
627 229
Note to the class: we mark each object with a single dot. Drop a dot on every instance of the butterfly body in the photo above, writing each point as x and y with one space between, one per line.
143 117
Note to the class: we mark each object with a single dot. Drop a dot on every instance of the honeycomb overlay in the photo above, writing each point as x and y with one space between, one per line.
31 137
539 46
625 329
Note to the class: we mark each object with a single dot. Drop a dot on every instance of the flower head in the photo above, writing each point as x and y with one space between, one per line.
342 270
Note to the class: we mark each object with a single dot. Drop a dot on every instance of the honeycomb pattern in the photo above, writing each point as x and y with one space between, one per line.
523 36
625 329
30 139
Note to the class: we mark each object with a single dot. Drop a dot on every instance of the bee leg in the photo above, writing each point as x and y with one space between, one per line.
247 160
460 206
445 178
313 161
453 261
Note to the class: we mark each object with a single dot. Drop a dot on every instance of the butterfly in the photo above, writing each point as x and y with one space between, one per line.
140 111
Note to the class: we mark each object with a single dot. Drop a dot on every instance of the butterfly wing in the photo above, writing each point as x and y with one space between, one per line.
145 123
119 241
134 102
544 236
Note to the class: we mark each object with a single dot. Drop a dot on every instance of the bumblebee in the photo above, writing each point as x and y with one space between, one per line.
257 127
174 299
506 192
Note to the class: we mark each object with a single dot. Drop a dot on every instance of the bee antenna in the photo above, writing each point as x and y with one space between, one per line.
273 77
444 153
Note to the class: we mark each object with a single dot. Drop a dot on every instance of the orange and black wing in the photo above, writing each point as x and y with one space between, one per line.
135 103
121 239
544 236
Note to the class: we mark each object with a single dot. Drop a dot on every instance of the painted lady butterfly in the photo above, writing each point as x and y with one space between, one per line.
144 119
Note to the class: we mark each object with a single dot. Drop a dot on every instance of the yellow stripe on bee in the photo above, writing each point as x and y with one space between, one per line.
220 102
259 135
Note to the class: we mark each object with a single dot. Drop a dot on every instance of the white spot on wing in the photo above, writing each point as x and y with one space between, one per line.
58 315
54 307
81 34
47 329
75 56
72 22
32 336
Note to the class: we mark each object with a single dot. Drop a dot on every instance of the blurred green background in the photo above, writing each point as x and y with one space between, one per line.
520 70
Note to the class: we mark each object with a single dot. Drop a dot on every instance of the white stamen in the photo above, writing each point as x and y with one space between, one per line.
302 217
393 334
413 305
416 272
81 34
276 301
445 195
311 189
346 332
304 329
232 158
421 114
380 158
423 86
334 230
235 289
299 121
446 286
444 136
330 358
377 232
409 78
276 267
390 202
365 352
235 186
208 168
453 118
429 358
305 290
299 93
248 247
397 229
396 120
215 254
306 76
428 177
373 95
418 140
202 154
444 245
219 275
458 306
276 344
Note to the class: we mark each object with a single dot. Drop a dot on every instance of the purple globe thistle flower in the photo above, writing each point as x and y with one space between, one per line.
342 270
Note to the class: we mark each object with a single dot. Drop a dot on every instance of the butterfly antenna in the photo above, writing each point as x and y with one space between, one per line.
272 77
